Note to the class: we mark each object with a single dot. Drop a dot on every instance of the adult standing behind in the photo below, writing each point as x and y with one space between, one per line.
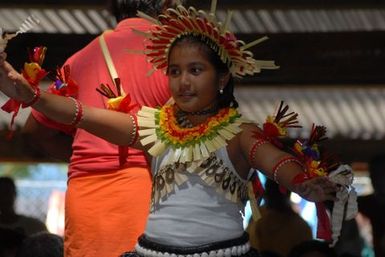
107 200
373 206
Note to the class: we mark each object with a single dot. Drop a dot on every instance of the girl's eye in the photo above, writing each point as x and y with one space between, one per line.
173 72
196 70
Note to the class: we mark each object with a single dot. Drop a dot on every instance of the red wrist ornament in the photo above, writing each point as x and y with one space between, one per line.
78 112
253 149
36 97
134 133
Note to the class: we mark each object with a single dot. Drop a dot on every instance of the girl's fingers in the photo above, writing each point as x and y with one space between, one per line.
8 67
318 189
14 75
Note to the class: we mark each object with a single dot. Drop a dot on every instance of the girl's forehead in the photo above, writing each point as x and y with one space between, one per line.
189 44
186 48
190 48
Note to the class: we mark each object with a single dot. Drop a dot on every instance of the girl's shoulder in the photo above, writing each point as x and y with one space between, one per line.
248 130
250 127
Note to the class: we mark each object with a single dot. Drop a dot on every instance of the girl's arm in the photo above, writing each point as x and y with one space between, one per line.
282 167
115 127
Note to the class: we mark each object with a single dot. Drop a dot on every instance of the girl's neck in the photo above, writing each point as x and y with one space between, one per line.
208 111
190 119
196 120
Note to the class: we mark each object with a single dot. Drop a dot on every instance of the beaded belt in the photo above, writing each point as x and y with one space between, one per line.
234 247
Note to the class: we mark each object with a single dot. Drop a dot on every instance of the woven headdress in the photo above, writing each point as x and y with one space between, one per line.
179 22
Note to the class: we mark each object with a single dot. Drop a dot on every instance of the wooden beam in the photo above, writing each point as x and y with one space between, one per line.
313 58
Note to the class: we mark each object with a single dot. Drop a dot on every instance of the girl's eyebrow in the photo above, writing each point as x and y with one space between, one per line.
189 64
196 63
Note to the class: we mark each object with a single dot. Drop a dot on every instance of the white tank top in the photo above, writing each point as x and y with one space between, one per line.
193 212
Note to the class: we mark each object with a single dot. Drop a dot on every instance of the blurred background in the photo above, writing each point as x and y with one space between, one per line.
331 56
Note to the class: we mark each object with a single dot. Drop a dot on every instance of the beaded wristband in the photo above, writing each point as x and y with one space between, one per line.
253 149
281 163
78 112
134 133
35 98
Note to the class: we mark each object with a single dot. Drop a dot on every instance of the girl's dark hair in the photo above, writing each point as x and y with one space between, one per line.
123 9
226 99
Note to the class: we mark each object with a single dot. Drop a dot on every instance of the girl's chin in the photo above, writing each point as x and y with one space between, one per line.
187 106
184 108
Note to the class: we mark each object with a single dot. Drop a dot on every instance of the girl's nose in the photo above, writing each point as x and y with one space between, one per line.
184 79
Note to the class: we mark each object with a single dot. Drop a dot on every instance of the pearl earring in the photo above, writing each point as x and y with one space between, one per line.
221 91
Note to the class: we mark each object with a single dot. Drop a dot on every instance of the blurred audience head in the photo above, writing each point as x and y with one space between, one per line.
269 254
377 176
312 248
42 244
7 194
10 241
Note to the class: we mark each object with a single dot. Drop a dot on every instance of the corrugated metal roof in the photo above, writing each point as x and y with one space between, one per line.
355 113
348 112
94 21
60 20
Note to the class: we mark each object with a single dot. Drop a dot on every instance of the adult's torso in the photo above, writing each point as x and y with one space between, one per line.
88 69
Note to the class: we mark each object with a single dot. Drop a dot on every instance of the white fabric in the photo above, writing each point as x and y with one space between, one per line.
208 217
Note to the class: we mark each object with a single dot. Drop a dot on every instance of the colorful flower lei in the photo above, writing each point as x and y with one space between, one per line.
170 132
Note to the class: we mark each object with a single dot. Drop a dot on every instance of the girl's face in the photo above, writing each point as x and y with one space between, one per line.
193 80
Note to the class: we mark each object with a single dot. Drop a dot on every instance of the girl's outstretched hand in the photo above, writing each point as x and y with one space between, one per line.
12 83
317 189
